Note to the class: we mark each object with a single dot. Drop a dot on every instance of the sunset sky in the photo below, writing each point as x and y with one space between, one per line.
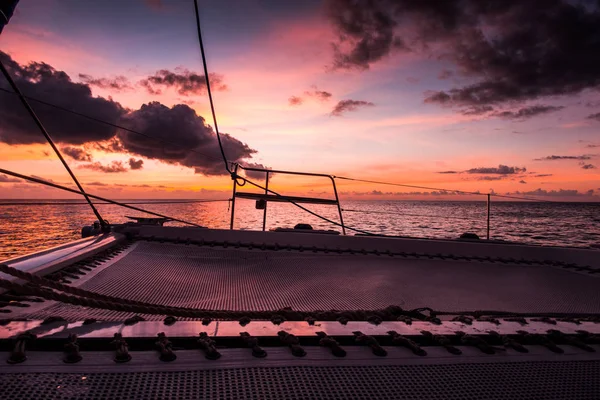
469 97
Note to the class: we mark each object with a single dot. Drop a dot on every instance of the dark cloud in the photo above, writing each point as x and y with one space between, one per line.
136 164
527 112
8 179
76 153
295 101
344 106
110 146
587 166
182 137
553 193
117 84
184 81
448 172
477 110
554 158
315 93
594 116
112 168
96 184
542 175
513 50
187 140
522 181
319 94
592 146
500 170
490 178
42 81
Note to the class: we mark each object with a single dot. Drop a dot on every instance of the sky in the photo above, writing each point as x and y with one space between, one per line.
480 96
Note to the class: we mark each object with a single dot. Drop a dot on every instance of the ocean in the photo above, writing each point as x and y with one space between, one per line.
27 226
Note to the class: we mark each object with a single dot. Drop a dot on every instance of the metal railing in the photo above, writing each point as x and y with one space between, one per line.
270 196
266 197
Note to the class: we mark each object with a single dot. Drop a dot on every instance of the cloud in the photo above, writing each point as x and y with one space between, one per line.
295 101
553 193
315 93
490 178
8 179
76 153
554 158
184 81
542 175
136 164
587 166
592 146
344 106
175 135
110 146
448 172
319 94
42 81
118 83
187 140
522 181
501 170
477 110
527 112
112 168
511 50
96 184
594 116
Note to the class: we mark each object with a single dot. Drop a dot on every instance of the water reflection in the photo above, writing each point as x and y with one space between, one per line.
26 228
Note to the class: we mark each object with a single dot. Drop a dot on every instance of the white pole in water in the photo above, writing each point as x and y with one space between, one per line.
489 196
266 202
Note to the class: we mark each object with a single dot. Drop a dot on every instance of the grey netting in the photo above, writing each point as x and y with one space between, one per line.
236 279
510 381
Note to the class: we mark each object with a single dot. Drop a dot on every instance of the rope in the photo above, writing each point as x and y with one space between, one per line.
43 182
443 190
212 105
66 203
39 124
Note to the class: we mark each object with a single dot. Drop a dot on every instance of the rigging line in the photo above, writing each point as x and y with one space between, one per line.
111 124
521 198
212 105
14 86
408 186
43 182
443 190
67 203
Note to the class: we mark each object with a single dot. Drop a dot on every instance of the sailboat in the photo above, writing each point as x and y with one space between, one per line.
147 310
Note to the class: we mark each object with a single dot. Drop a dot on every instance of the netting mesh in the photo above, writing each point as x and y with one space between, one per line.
237 279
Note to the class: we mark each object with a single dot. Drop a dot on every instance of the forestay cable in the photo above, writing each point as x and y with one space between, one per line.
103 223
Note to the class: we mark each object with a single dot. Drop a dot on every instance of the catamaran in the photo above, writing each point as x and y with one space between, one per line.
147 310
